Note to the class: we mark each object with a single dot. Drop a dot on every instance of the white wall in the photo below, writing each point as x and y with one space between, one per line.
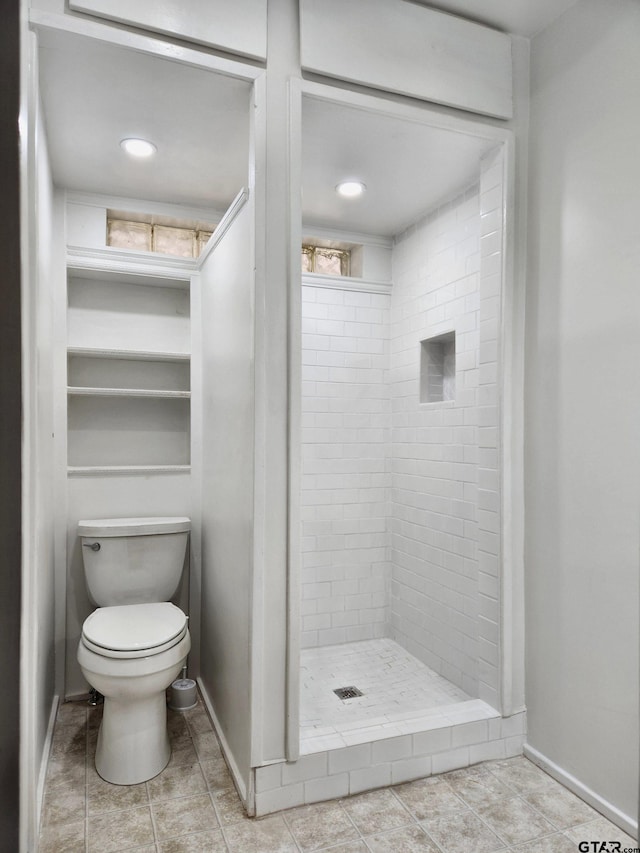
409 49
345 433
48 232
434 450
583 399
227 319
38 641
239 26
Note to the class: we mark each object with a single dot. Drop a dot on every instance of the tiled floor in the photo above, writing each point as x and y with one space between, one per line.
400 695
192 806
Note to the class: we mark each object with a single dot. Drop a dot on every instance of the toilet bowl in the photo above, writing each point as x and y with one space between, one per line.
136 642
131 654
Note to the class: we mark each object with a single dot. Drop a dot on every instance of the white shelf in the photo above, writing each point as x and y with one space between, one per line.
129 267
128 378
128 355
115 470
75 390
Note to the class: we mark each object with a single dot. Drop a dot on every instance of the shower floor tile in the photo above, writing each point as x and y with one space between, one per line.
400 695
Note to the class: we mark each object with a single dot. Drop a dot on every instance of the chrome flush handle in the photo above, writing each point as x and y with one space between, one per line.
95 546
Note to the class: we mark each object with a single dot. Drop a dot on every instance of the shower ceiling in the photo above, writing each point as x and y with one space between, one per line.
408 168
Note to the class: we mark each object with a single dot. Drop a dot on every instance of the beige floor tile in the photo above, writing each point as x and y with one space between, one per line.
67 739
104 797
269 835
427 798
557 843
477 786
207 746
94 717
520 774
180 781
178 732
409 839
69 770
92 741
63 805
63 838
72 713
514 821
320 825
201 842
196 808
376 811
118 831
184 815
462 832
182 752
176 722
229 807
198 721
562 808
217 776
600 829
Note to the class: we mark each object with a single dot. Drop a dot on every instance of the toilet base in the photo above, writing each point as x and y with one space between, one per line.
133 743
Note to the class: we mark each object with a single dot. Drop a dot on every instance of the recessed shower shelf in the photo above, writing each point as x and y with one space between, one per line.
110 470
127 392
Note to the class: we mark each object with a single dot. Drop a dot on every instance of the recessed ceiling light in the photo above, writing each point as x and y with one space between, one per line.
350 189
138 147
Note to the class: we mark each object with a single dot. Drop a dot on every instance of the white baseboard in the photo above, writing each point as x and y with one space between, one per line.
625 822
44 762
228 755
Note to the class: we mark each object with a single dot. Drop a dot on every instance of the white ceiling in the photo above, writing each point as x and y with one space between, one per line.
95 94
523 17
408 168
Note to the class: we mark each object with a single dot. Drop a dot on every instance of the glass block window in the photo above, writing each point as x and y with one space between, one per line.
326 261
129 235
163 239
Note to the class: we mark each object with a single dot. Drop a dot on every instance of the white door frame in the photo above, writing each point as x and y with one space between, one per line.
510 387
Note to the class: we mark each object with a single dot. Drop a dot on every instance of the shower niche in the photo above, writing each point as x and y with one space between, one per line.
438 369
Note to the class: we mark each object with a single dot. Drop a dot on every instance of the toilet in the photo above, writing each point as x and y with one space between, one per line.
136 643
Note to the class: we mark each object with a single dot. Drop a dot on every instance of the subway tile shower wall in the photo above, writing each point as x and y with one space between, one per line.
401 499
346 419
434 446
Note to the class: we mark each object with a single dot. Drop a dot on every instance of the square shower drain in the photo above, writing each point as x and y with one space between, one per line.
347 692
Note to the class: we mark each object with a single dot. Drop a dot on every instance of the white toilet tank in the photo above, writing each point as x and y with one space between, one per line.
133 560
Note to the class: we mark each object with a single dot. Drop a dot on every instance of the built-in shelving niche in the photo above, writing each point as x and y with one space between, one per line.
128 373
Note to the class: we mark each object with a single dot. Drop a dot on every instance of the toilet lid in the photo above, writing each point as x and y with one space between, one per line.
134 630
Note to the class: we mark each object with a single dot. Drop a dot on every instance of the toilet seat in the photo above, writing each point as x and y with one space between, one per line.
134 630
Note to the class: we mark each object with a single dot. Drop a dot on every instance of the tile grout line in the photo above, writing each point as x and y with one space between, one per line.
516 795
419 822
154 828
216 809
520 796
293 835
86 779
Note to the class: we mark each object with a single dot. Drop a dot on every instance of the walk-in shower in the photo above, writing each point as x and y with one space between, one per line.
400 471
